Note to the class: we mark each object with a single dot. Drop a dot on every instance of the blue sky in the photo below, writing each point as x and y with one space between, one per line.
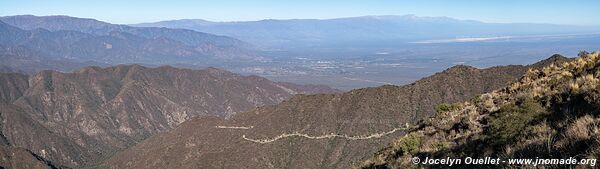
575 12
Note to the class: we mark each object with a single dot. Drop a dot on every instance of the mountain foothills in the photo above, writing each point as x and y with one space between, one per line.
314 131
78 119
71 40
364 30
549 113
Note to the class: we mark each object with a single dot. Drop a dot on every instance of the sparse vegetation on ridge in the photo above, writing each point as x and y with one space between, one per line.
446 107
549 113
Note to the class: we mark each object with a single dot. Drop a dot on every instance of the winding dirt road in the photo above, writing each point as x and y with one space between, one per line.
328 136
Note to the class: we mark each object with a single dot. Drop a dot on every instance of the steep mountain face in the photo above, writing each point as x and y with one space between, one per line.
61 37
548 114
12 85
13 157
312 131
295 32
77 119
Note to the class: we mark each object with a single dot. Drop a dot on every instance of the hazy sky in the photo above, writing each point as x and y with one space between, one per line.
577 12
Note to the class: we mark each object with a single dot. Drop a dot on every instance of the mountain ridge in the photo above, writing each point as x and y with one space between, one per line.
96 27
288 128
279 33
548 113
77 119
70 38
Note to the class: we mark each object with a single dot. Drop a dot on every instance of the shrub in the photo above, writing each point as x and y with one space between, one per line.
440 146
511 120
582 128
409 144
444 107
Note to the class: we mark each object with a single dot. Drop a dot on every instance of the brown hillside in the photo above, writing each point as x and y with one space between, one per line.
77 119
351 117
548 114
13 157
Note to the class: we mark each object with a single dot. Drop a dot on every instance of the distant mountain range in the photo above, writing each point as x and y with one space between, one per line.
296 133
363 30
63 38
95 27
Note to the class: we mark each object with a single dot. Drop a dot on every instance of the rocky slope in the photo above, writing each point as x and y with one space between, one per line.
77 119
13 157
548 114
12 85
313 131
